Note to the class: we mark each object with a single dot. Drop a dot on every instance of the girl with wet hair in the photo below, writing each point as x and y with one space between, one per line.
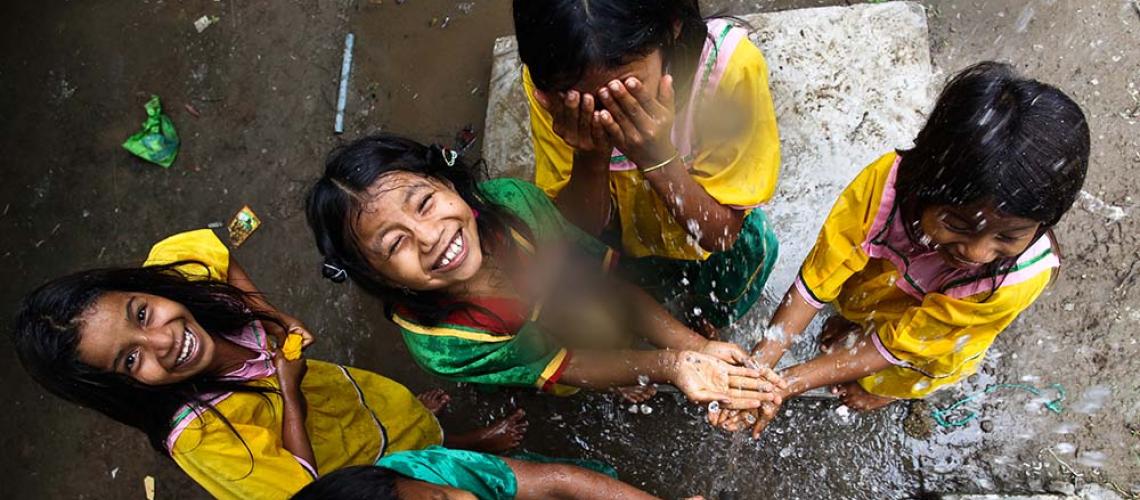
654 129
180 349
455 474
931 252
463 268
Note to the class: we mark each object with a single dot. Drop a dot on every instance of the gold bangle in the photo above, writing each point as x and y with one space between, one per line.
660 165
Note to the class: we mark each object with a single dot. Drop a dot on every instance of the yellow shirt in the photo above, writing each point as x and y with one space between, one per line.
354 416
727 133
933 322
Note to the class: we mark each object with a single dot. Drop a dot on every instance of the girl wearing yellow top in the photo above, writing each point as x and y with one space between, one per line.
931 252
657 129
179 349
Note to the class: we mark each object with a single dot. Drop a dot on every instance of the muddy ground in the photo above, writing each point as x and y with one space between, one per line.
74 76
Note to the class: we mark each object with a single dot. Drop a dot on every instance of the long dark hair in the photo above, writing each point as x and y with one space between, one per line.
46 336
335 201
1021 144
359 482
560 40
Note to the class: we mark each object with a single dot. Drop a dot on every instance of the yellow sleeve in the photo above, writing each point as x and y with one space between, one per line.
940 335
201 245
739 152
838 253
553 158
217 459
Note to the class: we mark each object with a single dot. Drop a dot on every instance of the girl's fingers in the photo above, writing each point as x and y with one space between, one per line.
648 102
750 384
741 371
629 105
586 117
759 427
543 100
771 376
597 129
628 128
613 130
570 115
665 96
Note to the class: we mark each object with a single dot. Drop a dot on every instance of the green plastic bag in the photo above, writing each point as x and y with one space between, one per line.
157 142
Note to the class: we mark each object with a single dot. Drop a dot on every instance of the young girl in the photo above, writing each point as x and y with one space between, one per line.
656 129
180 351
455 474
931 252
459 266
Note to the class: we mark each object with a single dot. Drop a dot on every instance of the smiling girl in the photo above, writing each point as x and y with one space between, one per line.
656 129
180 349
931 252
464 269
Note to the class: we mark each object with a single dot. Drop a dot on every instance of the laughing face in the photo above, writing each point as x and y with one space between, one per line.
154 340
973 236
418 233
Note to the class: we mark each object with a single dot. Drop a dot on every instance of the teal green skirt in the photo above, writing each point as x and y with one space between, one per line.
486 476
720 289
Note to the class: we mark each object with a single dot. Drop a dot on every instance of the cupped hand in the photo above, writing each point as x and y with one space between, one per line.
576 121
704 378
637 122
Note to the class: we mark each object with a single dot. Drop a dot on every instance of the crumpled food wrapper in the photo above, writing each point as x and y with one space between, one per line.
157 142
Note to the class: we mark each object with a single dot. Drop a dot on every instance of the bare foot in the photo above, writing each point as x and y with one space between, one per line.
636 393
498 437
435 400
836 329
858 399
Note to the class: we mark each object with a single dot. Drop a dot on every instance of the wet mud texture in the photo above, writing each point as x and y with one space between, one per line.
73 81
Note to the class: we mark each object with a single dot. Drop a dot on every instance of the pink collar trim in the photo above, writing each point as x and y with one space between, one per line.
252 337
922 270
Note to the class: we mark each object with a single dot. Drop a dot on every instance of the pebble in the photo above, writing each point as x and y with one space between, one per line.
987 425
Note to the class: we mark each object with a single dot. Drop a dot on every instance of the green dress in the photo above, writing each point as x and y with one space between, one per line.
506 347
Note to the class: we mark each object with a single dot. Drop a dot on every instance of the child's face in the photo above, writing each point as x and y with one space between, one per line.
975 235
419 233
154 340
648 69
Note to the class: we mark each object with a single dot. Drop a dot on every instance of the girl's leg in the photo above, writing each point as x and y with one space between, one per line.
500 436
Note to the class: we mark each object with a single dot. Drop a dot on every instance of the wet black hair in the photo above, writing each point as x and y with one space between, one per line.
335 201
359 482
46 336
995 136
561 40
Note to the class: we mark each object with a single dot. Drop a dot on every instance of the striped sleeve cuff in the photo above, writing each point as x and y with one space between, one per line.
806 294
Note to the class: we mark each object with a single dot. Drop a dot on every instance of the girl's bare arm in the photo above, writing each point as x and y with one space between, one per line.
835 367
789 321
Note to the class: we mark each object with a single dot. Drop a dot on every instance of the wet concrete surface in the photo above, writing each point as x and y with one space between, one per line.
74 76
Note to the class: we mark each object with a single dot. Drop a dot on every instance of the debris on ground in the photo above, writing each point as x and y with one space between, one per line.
204 22
192 110
148 487
464 139
157 141
917 423
342 92
243 224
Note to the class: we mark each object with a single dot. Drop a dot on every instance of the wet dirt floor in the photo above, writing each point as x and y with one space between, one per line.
74 77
